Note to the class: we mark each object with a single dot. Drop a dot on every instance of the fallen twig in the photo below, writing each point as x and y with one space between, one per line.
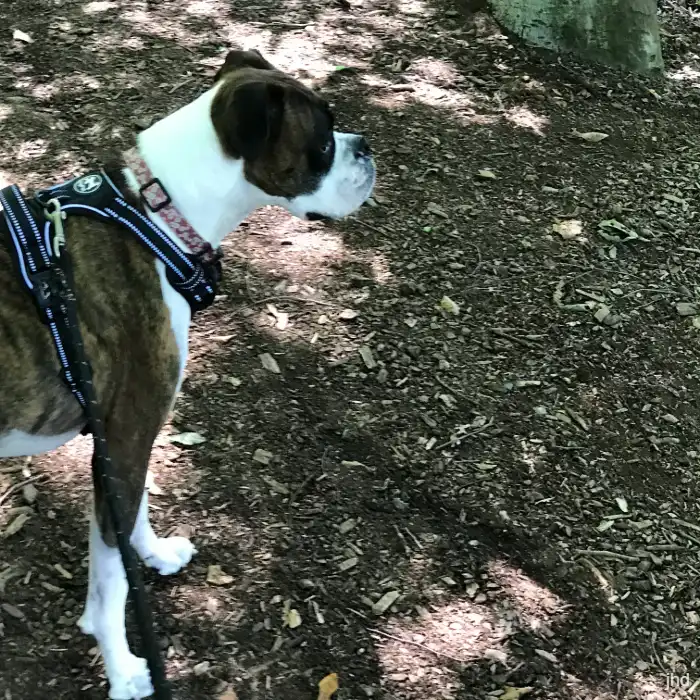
403 640
18 486
513 338
605 554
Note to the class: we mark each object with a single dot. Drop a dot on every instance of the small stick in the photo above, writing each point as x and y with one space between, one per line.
17 487
606 554
513 338
303 300
415 644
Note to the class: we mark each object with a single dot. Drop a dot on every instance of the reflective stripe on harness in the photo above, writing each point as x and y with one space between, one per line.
94 195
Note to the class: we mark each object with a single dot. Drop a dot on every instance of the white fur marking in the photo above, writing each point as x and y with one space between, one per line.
19 444
104 618
165 554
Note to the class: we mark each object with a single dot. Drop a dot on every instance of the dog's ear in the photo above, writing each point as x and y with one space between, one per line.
248 118
242 59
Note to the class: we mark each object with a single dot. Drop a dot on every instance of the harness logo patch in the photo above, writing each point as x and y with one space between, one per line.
88 184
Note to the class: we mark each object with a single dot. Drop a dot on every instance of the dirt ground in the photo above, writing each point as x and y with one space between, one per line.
474 474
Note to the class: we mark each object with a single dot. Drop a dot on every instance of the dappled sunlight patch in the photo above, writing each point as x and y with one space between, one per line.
288 248
536 604
686 74
205 8
416 8
5 111
31 149
525 118
669 686
381 268
533 454
426 653
436 71
97 6
150 23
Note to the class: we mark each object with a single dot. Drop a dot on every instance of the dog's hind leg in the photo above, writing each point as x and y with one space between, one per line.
104 618
130 435
165 554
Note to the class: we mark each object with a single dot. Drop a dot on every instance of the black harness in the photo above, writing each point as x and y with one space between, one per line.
37 244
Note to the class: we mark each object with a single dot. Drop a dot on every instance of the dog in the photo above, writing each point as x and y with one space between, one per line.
257 137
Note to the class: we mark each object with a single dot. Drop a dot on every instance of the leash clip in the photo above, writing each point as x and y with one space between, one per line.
53 212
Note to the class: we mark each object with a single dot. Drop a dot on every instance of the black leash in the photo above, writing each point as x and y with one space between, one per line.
103 469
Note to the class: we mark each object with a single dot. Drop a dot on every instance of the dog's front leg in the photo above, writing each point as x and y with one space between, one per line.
104 618
165 554
131 426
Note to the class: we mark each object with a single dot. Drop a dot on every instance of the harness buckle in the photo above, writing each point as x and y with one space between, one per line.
154 207
56 216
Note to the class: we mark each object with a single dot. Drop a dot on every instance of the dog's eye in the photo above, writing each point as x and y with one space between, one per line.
326 147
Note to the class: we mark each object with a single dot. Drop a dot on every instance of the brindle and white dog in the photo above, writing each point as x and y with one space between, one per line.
257 137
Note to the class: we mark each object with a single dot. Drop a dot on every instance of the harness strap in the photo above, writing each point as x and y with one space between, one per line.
94 195
41 277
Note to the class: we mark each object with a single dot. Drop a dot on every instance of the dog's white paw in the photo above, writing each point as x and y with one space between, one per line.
86 623
170 554
131 680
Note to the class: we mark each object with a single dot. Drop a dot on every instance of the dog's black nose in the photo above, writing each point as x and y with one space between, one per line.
361 148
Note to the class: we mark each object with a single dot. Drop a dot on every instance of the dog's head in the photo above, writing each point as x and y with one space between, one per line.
284 133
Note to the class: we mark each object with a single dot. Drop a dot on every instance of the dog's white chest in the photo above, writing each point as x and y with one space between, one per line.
180 317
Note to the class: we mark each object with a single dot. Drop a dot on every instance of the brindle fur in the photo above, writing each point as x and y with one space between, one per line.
135 388
123 317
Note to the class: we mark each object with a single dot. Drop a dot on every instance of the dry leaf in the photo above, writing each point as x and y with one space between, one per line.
347 525
201 668
187 439
435 209
569 229
546 655
276 486
367 358
13 611
16 525
64 572
292 618
348 314
262 456
622 504
513 693
217 577
29 493
385 602
685 308
327 686
229 694
591 136
348 564
269 363
450 306
281 317
487 174
19 35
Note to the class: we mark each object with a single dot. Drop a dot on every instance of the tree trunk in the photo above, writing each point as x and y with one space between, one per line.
616 32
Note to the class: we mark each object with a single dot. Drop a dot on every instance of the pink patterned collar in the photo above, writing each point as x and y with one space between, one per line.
156 199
